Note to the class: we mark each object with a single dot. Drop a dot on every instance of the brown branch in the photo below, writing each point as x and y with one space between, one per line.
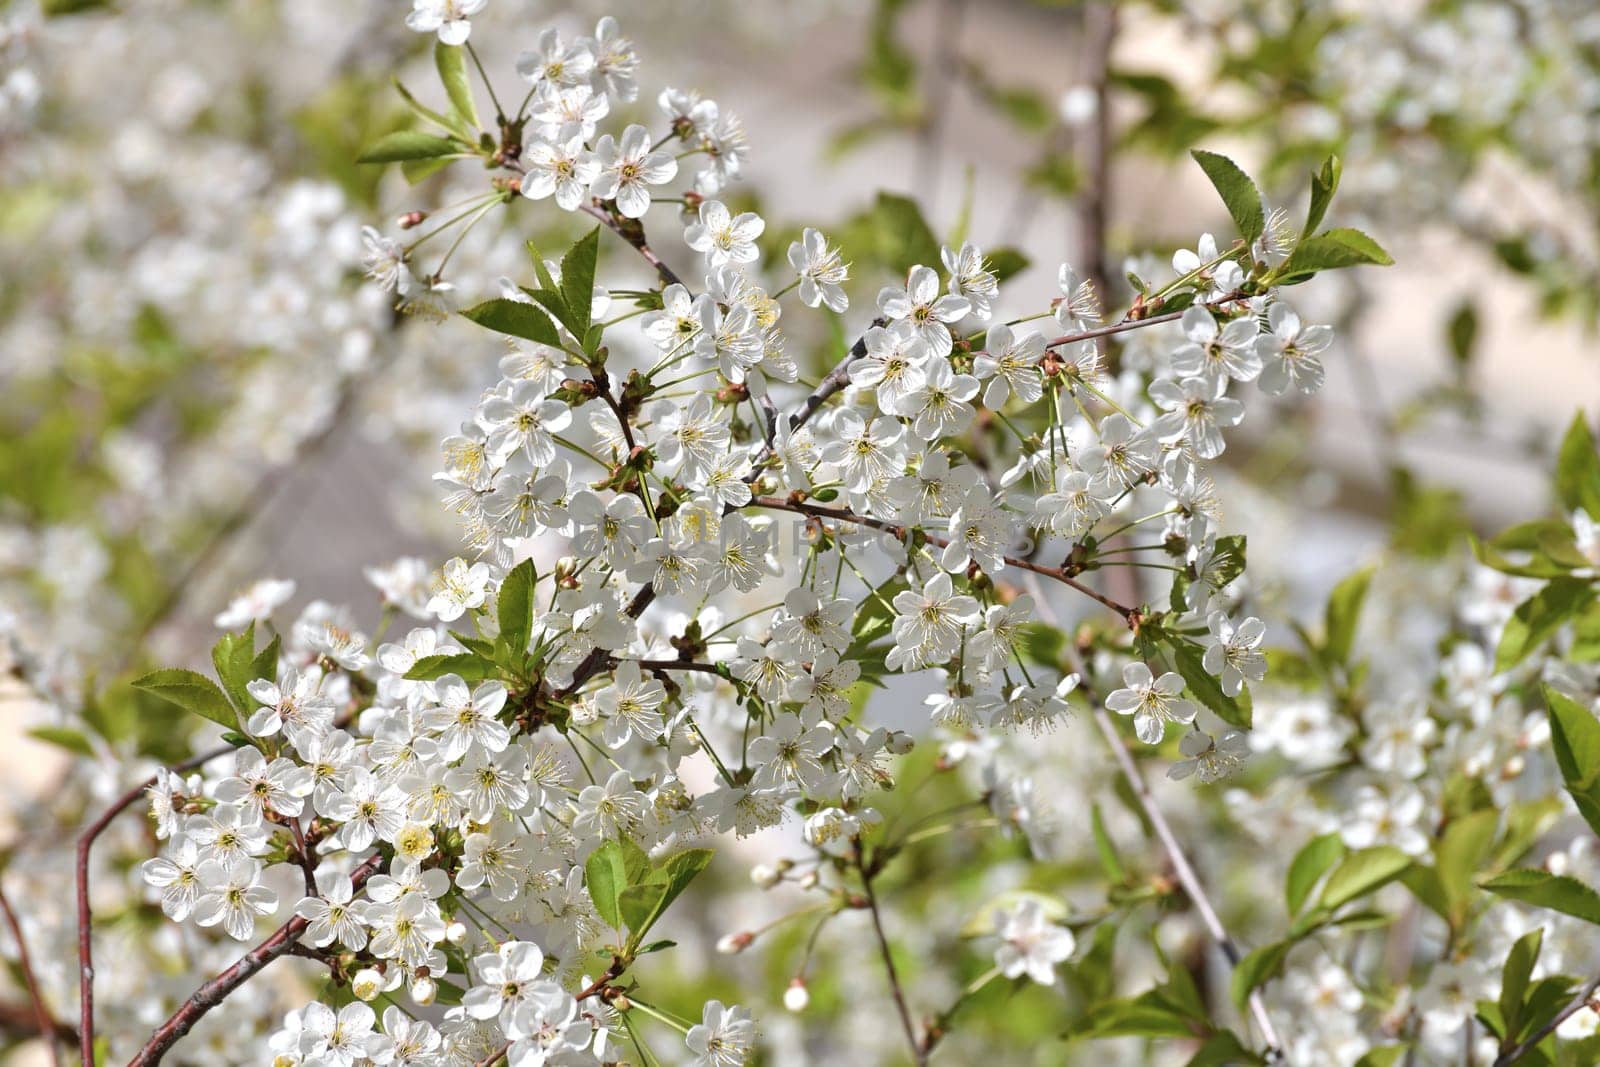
1192 886
1092 204
1572 1007
85 917
218 989
47 1023
20 1020
919 1053
1130 615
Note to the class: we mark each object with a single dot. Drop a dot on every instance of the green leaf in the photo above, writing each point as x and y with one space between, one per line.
234 658
1461 850
1575 736
1343 613
516 609
1578 470
1006 263
420 108
407 144
643 905
1462 333
192 692
451 60
577 282
1514 977
1323 184
1238 192
62 737
605 876
1309 865
1109 860
1224 1049
1538 618
1543 889
1258 966
1331 250
1383 1056
470 666
904 237
1363 872
1204 687
517 319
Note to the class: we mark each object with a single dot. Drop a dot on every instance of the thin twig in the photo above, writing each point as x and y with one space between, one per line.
85 917
1572 1007
246 967
47 1024
1192 886
1129 614
918 1053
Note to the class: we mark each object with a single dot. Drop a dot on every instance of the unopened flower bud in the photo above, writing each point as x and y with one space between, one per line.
456 932
424 990
796 997
764 876
367 984
411 219
733 944
809 880
900 742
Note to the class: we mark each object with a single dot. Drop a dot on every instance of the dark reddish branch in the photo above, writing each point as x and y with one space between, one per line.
47 1025
85 916
219 988
1129 614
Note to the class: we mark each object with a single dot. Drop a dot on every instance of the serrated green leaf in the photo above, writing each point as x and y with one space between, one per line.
234 658
605 876
1256 967
1205 687
1313 860
1238 192
1575 737
1537 619
192 692
407 144
516 609
515 318
1323 185
1543 889
1331 250
451 62
1361 873
470 666
577 281
1514 978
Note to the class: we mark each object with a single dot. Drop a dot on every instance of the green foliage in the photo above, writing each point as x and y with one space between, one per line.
1313 861
238 663
516 610
190 691
1578 470
630 892
470 666
1205 687
406 145
1238 192
904 238
1575 736
1363 872
1342 614
515 318
451 62
1554 891
1538 618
